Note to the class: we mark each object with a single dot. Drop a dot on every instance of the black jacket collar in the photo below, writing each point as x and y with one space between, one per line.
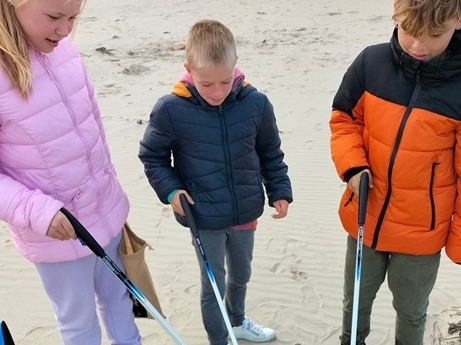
431 71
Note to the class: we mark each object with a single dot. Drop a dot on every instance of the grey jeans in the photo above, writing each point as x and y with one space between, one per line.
410 279
231 249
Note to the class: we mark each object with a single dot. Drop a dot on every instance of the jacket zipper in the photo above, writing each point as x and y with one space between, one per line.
44 61
431 195
228 162
395 150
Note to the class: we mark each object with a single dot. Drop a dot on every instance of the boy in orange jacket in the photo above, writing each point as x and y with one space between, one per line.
397 117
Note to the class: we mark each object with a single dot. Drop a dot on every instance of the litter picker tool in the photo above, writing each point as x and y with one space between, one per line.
193 228
363 196
89 240
5 335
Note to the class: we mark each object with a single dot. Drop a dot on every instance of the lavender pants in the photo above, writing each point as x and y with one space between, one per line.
78 289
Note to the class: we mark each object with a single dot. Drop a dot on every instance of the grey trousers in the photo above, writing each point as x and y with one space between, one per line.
410 279
231 249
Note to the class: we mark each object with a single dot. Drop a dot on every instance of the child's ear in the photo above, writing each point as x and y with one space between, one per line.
187 67
458 24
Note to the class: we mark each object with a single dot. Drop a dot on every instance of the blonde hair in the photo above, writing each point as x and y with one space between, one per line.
14 57
210 43
13 48
425 17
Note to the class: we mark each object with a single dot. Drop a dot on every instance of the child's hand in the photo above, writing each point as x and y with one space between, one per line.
176 203
60 228
354 183
281 208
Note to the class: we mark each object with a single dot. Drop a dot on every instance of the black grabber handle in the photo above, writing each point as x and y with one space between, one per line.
84 235
188 211
363 196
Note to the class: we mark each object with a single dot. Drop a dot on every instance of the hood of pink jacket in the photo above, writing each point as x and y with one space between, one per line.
53 153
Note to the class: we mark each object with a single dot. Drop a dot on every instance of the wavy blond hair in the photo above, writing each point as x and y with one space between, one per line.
13 47
210 43
425 17
14 58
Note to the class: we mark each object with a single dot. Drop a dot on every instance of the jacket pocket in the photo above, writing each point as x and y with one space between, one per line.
72 203
431 196
349 199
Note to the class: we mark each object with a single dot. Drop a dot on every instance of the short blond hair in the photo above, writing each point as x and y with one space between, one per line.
425 17
210 43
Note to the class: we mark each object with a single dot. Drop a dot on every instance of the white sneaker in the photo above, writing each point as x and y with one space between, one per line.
251 331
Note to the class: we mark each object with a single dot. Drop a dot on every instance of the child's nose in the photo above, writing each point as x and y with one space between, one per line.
64 28
218 92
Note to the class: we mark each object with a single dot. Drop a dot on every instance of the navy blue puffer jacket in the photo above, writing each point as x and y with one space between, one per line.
223 155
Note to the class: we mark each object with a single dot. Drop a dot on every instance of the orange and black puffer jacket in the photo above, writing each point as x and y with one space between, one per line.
401 117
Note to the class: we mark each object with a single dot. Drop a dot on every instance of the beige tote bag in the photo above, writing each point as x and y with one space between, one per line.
132 253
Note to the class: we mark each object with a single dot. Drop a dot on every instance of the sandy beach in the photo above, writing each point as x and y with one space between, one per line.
296 52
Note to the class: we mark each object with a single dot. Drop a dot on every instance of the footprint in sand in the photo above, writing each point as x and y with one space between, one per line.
166 211
39 335
318 126
181 311
135 69
173 269
167 280
296 326
309 144
297 274
291 267
311 300
176 266
446 327
289 245
192 290
152 338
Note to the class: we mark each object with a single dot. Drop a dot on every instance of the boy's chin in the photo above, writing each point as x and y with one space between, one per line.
215 103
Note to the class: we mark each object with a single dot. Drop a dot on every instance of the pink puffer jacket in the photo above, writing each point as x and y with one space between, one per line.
53 153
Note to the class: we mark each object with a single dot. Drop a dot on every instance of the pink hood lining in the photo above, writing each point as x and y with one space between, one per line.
238 75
